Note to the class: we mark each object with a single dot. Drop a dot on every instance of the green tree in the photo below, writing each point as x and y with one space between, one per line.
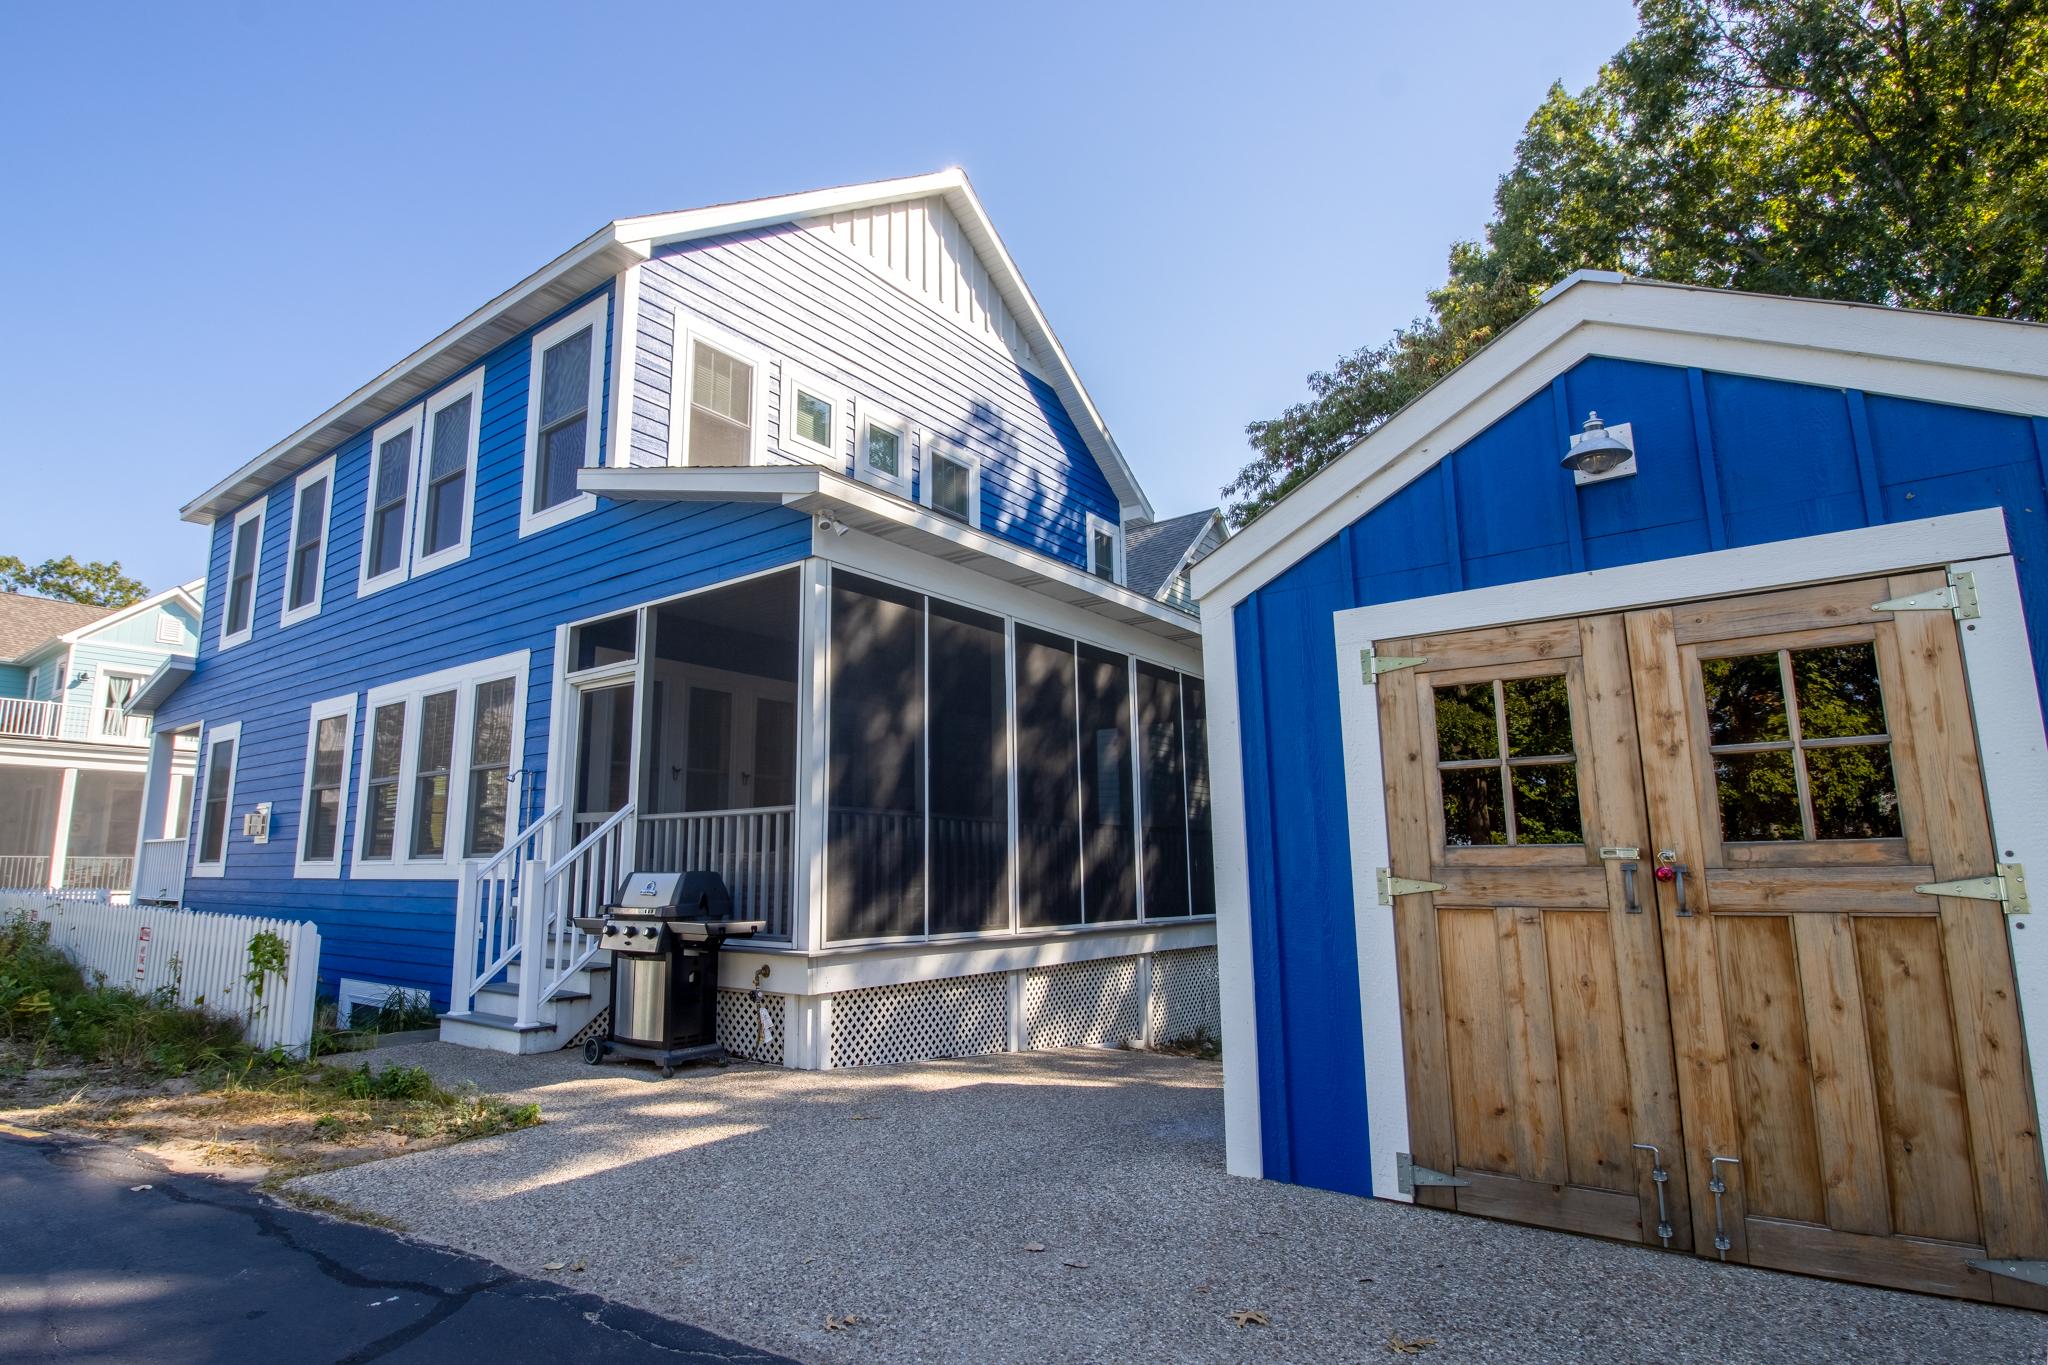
96 584
1892 152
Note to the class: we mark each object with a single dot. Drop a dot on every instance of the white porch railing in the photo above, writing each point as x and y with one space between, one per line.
24 871
99 873
752 849
160 873
24 719
117 724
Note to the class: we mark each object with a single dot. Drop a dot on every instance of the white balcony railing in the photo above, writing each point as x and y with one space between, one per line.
24 719
117 724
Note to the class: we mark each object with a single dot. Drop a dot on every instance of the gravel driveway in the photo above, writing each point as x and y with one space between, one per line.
758 1203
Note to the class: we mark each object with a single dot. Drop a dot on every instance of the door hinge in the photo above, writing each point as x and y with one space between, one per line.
2008 884
1392 886
1408 1175
1372 663
2033 1272
1958 598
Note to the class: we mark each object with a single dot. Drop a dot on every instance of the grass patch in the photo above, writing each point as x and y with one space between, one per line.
333 1208
116 1063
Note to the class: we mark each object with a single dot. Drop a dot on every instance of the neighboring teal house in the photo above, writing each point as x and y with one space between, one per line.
71 755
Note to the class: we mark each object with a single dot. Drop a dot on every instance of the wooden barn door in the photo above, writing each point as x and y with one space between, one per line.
1846 1046
1853 1043
1537 1034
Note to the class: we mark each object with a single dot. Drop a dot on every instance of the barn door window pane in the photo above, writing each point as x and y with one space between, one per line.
1506 771
1163 778
1048 783
875 762
970 772
1109 868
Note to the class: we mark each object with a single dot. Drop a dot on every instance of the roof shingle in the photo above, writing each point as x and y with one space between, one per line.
28 623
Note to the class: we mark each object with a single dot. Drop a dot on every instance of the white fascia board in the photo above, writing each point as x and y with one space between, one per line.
1986 363
159 686
588 265
182 592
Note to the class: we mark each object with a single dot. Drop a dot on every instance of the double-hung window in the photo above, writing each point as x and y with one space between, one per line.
448 474
813 415
882 455
245 558
387 530
1105 549
437 763
720 387
952 480
330 737
216 798
305 560
565 390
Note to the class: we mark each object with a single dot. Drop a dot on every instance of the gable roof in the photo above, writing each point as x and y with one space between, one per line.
1155 550
627 241
27 623
1989 363
187 595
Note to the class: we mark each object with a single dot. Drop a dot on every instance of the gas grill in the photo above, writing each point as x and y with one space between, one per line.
664 934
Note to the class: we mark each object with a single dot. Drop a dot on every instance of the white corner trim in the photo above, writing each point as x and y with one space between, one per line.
413 420
288 615
470 386
255 511
302 866
1242 1135
202 781
592 315
2007 709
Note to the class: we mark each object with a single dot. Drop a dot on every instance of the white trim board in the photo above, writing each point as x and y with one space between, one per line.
2002 688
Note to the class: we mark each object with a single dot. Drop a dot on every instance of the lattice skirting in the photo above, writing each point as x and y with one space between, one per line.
599 1025
1082 1004
964 1016
739 1026
1185 996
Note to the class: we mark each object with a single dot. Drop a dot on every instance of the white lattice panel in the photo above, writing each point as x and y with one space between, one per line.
1082 1004
600 1024
1184 996
966 1016
739 1026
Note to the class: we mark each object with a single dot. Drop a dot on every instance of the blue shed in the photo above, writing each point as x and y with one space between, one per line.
1626 764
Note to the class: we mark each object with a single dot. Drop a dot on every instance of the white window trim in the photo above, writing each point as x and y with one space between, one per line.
287 615
869 416
933 447
202 780
253 512
103 704
591 315
833 453
463 680
412 419
1116 535
688 332
470 386
302 866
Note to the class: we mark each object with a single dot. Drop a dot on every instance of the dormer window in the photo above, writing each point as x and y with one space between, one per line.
1105 549
952 481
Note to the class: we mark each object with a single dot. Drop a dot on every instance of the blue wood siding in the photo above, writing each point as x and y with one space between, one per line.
1725 460
805 301
509 594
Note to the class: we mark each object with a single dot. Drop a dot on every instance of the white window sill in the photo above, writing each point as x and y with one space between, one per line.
533 523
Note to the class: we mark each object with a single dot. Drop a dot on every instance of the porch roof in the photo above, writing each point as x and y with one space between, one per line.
841 502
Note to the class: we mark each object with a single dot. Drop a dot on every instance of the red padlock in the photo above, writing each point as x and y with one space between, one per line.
1667 873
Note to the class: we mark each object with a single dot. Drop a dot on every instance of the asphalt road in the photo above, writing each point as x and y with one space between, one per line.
93 1268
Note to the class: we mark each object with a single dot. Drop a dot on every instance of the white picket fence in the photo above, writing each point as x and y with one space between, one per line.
203 958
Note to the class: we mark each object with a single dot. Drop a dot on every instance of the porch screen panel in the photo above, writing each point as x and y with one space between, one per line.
1109 864
1161 773
875 762
970 773
1201 848
1048 783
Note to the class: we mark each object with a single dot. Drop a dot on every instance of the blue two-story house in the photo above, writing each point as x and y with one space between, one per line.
777 538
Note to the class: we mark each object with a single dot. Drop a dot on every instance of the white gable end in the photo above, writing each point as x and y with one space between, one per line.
919 246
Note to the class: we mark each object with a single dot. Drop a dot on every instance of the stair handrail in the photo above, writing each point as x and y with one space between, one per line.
487 910
564 949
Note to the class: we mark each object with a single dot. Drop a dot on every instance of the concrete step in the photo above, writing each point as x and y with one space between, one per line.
507 992
498 1033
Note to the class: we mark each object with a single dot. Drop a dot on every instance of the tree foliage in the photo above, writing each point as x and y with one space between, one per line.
95 584
1890 152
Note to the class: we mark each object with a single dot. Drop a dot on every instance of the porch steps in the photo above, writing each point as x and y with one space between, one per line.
493 1022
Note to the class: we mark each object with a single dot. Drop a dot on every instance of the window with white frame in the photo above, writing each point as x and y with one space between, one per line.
245 557
952 480
330 739
1105 549
448 474
388 508
812 416
117 688
436 759
882 456
721 393
305 560
216 798
565 387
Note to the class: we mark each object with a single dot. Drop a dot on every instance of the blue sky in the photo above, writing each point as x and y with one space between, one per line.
223 218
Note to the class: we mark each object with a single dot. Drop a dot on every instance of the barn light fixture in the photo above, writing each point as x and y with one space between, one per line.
1597 450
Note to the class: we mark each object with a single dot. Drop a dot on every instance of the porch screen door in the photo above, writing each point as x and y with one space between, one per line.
1532 991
